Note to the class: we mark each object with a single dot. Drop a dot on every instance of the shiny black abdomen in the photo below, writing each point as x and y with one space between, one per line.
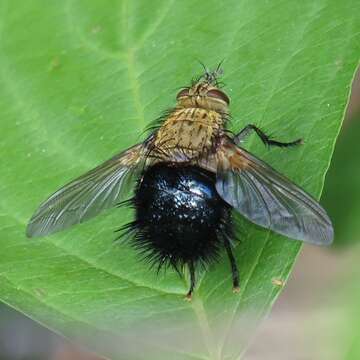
180 218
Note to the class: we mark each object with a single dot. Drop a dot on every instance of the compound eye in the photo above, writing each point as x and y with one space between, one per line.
218 94
183 92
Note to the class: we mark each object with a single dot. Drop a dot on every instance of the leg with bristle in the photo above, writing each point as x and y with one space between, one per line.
234 269
266 139
192 281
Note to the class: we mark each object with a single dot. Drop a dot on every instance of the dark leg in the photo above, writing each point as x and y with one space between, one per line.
192 280
264 138
234 269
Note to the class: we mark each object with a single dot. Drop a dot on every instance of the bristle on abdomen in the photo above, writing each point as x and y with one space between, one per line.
179 217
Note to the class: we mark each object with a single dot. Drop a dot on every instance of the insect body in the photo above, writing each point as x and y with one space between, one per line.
180 219
190 174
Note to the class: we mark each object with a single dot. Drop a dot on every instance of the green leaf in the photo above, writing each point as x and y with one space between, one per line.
79 82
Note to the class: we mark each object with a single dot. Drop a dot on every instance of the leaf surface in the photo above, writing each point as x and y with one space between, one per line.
80 80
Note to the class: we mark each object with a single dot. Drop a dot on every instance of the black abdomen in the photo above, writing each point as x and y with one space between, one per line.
180 218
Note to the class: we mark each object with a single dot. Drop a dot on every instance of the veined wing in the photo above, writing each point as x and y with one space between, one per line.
86 196
269 199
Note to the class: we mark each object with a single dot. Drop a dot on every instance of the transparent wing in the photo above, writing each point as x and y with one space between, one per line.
269 199
86 196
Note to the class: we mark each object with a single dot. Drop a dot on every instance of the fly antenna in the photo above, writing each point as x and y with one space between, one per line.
206 71
219 71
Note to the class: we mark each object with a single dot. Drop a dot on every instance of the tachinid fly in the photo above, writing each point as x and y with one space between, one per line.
189 175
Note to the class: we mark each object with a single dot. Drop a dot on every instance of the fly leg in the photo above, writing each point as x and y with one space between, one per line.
266 139
234 269
192 281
